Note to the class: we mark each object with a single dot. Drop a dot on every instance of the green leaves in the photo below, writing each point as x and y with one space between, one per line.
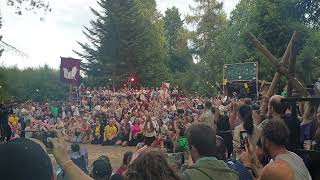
126 39
38 84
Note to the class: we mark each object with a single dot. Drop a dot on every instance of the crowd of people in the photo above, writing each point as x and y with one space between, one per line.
226 138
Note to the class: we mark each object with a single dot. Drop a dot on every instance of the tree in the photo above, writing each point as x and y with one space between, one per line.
273 22
308 11
173 24
125 39
180 57
38 84
1 50
29 5
308 62
209 20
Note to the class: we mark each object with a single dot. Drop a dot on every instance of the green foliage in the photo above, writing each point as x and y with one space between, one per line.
38 84
1 50
126 38
210 21
308 61
308 11
29 5
273 22
218 41
131 37
180 57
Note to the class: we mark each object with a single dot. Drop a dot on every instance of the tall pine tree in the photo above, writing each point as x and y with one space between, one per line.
180 57
125 39
209 19
1 50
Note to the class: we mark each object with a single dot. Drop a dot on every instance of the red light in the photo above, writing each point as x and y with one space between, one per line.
132 79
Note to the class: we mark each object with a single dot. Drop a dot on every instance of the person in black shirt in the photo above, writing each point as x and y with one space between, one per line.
5 129
223 130
277 110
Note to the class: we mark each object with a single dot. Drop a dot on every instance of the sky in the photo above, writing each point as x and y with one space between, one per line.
44 42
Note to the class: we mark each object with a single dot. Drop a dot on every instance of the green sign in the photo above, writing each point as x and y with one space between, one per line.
241 71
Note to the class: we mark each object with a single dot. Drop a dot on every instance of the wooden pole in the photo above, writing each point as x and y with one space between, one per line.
70 93
276 78
263 50
292 63
281 69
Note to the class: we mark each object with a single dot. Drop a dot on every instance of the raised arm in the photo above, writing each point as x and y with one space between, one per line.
72 171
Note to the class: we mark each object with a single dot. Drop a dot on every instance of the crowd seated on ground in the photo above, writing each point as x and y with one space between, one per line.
166 123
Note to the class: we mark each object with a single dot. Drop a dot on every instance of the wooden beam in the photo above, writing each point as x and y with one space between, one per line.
280 67
292 63
276 78
263 49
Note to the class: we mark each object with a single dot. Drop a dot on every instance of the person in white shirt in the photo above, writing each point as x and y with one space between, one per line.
149 131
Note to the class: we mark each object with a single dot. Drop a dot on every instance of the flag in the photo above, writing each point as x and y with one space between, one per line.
70 71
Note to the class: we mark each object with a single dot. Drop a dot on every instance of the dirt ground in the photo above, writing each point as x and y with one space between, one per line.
115 153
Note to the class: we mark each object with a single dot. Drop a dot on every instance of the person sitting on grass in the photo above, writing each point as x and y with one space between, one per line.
135 136
78 158
110 133
96 134
124 135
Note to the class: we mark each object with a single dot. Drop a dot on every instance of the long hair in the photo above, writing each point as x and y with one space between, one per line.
127 158
151 165
148 120
246 114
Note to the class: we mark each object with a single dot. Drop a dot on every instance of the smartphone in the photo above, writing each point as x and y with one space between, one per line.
243 139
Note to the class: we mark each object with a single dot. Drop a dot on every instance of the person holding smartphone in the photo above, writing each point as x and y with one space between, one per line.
246 130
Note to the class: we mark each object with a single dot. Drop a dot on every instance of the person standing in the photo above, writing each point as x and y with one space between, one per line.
286 165
5 129
247 125
202 146
236 165
208 116
277 111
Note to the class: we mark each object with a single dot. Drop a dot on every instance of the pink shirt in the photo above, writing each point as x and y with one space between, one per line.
135 129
